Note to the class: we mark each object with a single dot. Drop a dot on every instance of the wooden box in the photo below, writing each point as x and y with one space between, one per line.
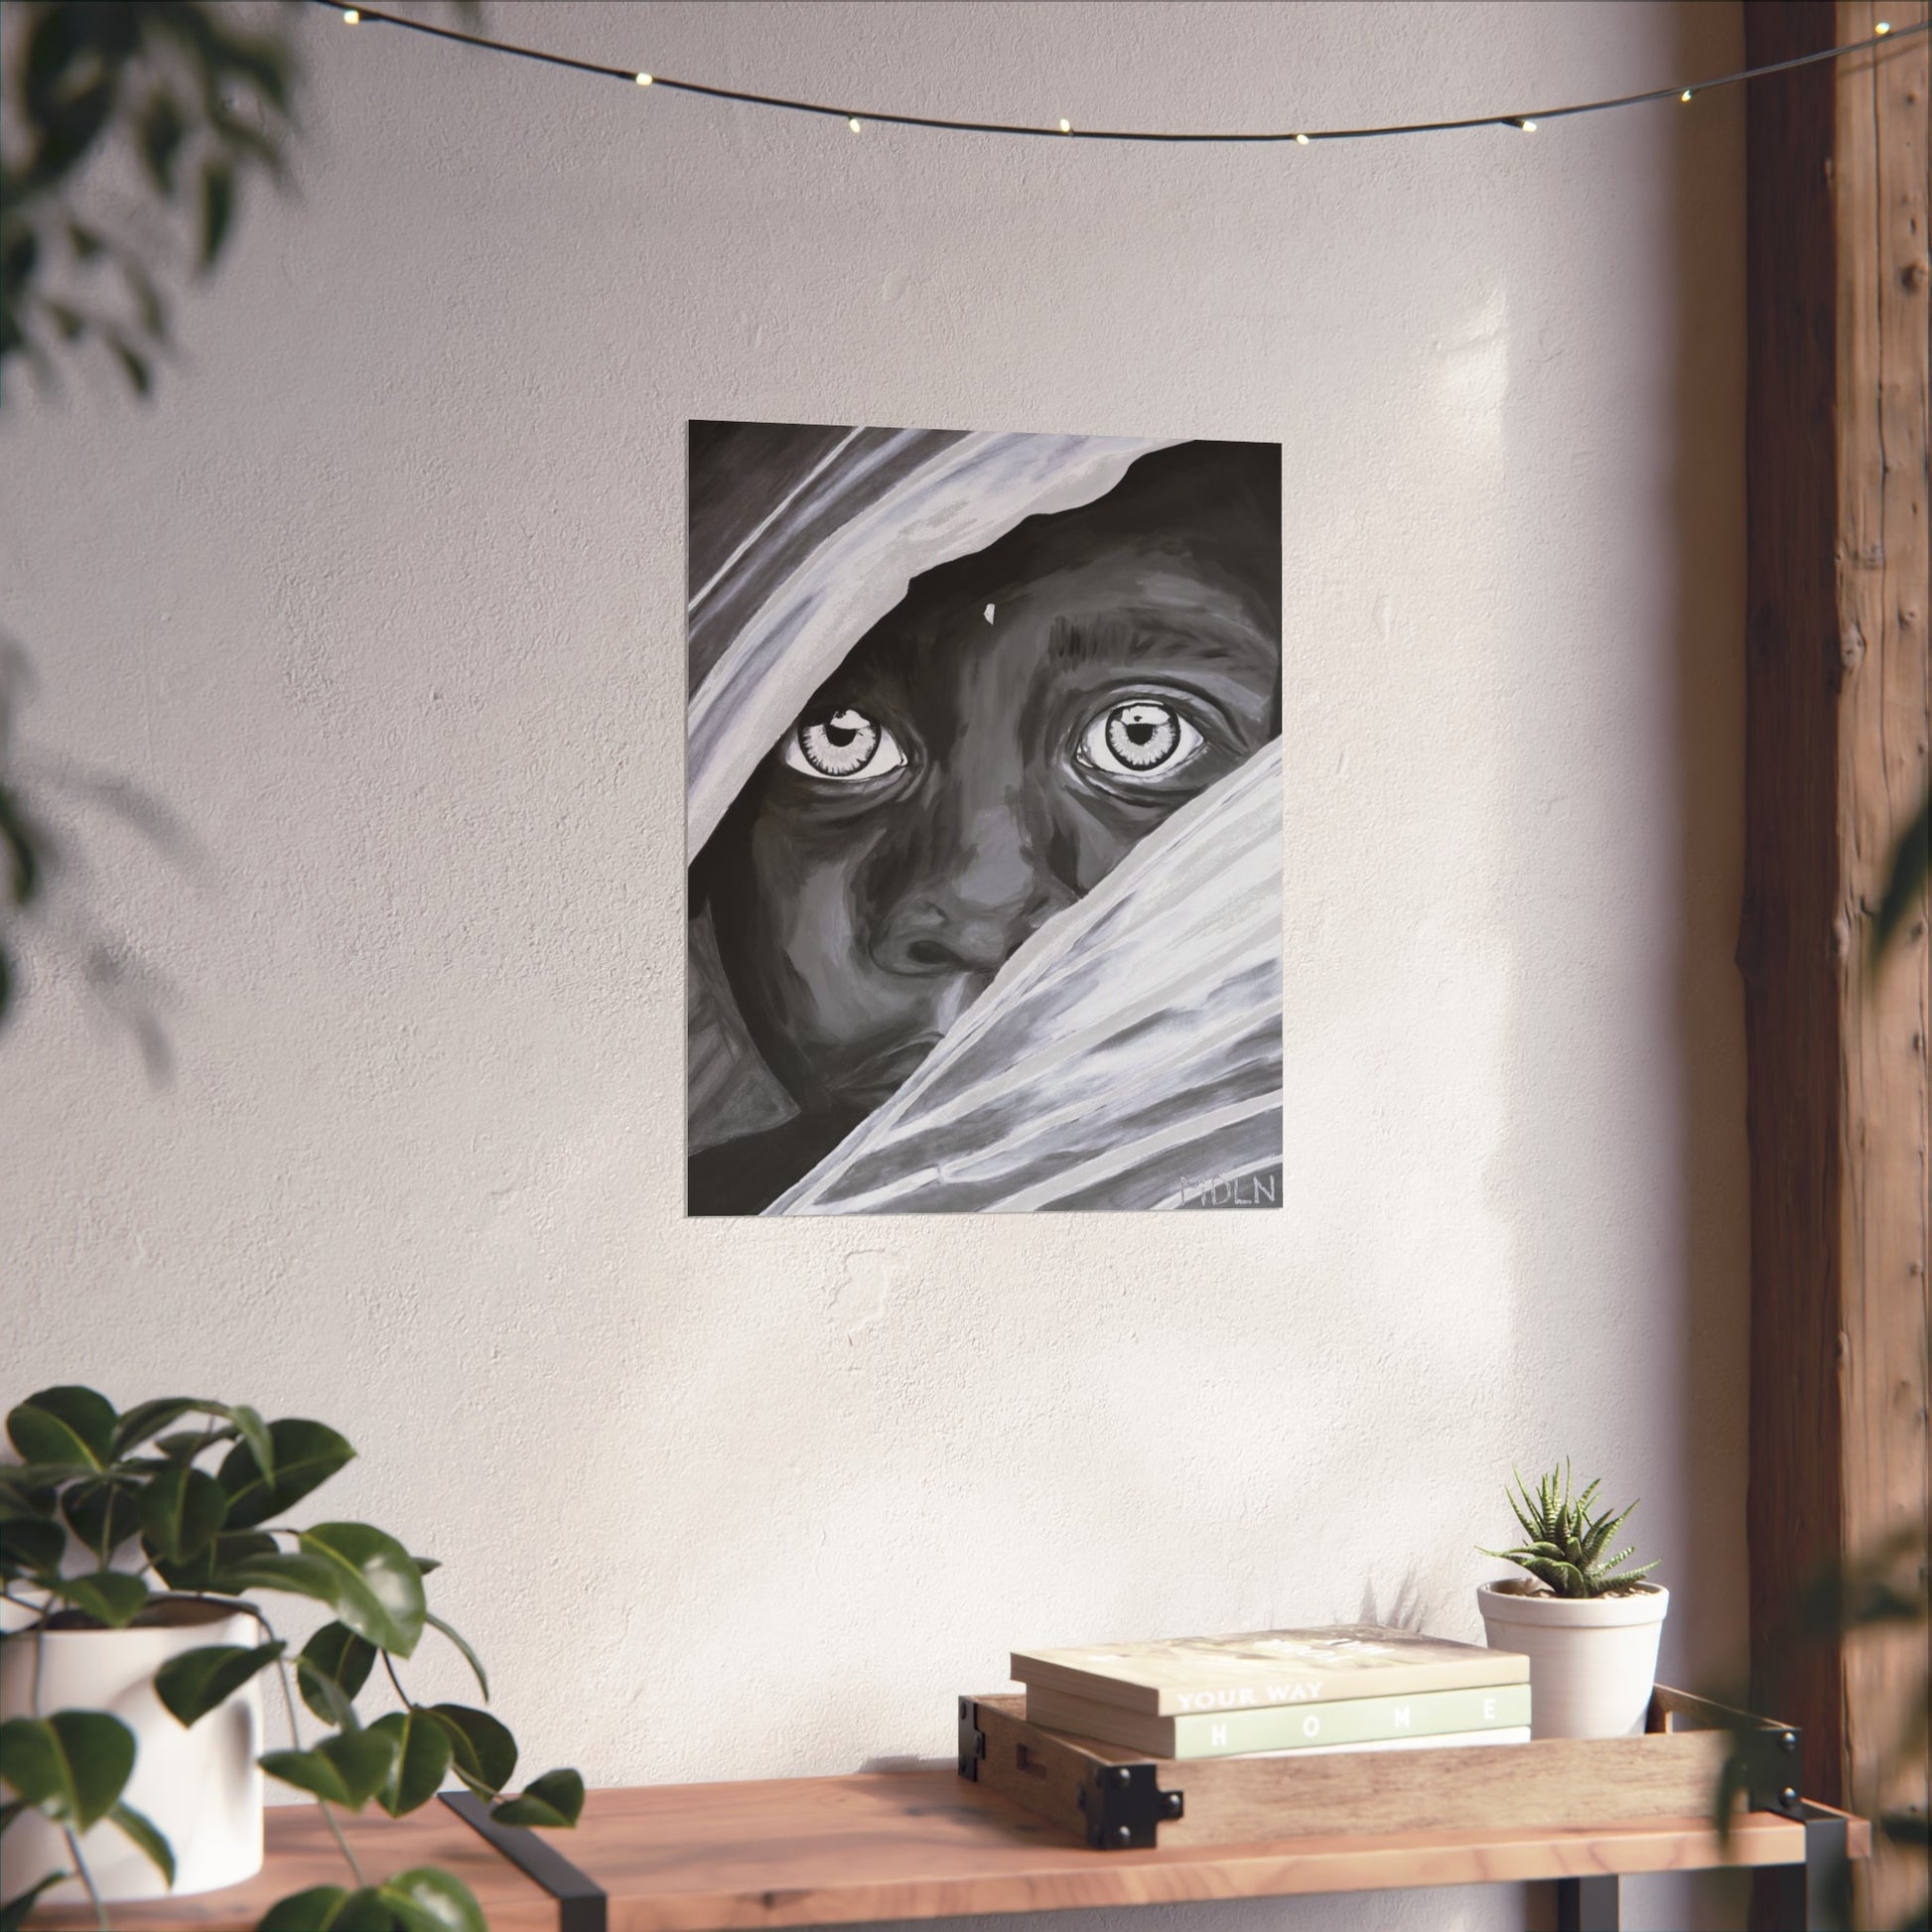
1119 1799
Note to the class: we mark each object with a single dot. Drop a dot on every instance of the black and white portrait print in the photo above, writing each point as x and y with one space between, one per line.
983 795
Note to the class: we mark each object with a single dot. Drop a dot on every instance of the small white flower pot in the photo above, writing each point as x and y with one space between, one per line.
1593 1659
200 1787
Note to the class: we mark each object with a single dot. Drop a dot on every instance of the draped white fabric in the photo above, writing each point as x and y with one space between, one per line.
961 498
1128 1055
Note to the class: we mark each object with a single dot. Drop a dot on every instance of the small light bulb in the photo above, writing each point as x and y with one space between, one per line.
1685 96
853 123
350 15
643 80
1066 127
1300 140
1883 28
1528 127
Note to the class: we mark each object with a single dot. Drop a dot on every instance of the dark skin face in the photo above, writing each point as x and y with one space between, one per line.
961 779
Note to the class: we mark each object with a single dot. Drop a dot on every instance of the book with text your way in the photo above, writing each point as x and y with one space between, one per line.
1180 1676
1339 1687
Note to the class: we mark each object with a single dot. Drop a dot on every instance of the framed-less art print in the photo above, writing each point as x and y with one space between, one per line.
984 793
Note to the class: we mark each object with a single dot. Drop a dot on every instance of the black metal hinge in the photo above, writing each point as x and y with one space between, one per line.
1766 1759
1774 1778
1125 1807
972 1741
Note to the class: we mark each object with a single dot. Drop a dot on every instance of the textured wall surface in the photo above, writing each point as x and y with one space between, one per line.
381 597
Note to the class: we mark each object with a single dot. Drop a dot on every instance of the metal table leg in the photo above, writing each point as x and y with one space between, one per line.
1588 1904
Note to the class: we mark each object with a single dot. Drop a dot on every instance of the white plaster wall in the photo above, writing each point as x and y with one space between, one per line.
382 598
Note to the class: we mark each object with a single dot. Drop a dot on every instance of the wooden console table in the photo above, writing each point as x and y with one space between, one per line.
930 1845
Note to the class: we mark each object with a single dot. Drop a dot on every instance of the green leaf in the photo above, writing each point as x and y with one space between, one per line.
297 1576
73 1765
325 1697
303 1454
142 1830
482 1750
428 1900
217 209
184 1445
148 1418
347 1769
364 1577
30 1546
334 1665
364 1912
181 1511
30 1488
200 1681
110 1595
423 1752
378 1591
209 1570
470 1657
260 1438
63 1425
556 1798
1566 1579
314 1910
328 1908
14 1913
102 1512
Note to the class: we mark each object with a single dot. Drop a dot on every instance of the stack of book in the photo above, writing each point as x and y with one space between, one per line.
1345 1688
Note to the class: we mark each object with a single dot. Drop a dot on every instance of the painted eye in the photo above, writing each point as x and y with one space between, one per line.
843 746
1144 739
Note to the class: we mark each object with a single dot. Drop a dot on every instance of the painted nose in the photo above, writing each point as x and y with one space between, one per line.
979 897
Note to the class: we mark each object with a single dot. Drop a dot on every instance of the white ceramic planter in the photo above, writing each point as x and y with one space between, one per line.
200 1786
1593 1660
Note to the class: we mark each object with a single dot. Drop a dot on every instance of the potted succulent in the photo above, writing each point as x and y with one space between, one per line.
1589 1624
135 1647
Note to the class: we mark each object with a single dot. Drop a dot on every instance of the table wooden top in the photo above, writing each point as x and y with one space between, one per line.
916 1844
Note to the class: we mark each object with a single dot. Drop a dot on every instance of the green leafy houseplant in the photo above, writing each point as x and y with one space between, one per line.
151 1527
1565 1540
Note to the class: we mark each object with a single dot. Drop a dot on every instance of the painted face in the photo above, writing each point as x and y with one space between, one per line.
985 757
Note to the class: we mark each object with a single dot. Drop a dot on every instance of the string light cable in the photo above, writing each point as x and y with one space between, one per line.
858 118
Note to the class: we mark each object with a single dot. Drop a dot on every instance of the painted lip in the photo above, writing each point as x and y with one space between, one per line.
885 1072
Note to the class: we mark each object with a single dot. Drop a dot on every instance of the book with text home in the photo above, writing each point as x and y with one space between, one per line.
1285 1726
1449 1741
1258 1669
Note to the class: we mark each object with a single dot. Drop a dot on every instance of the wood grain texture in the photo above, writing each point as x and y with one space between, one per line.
302 1854
1794 1508
1547 1785
927 1844
1884 725
1838 719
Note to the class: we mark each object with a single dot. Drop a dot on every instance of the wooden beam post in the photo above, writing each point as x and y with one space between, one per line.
1839 717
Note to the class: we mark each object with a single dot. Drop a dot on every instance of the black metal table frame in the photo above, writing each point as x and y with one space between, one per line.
1814 1897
